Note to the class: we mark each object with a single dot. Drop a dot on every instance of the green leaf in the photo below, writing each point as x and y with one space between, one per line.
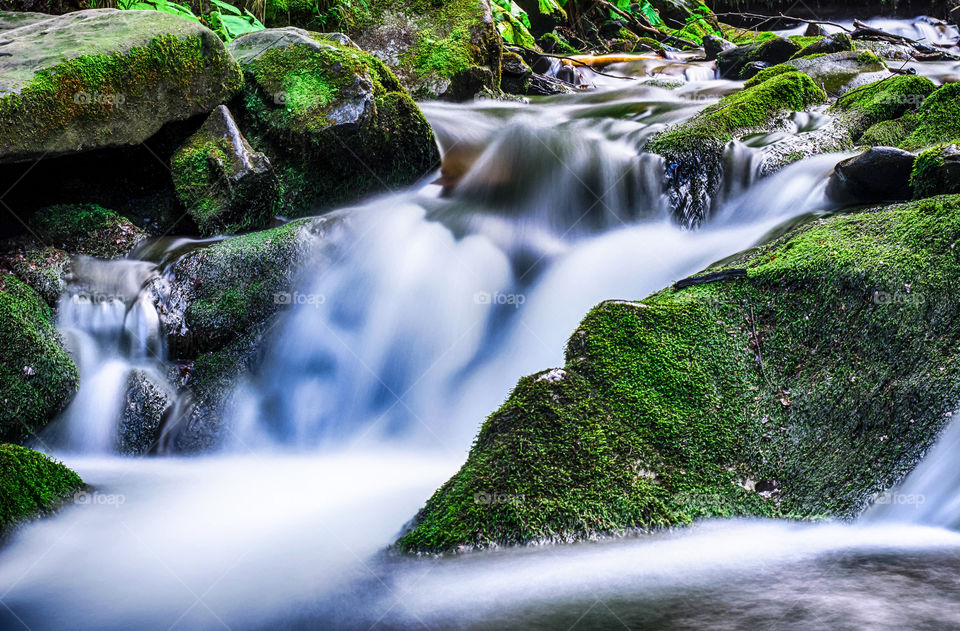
649 12
229 8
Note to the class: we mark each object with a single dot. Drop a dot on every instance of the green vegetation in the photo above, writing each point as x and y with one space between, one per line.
800 390
939 119
331 151
37 376
86 229
751 107
890 133
31 484
883 100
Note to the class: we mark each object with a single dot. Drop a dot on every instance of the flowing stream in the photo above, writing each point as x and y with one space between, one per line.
434 302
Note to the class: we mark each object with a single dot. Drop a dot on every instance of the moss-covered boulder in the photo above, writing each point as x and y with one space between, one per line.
836 43
333 119
890 133
220 291
938 119
808 377
693 150
43 268
31 484
449 49
37 376
86 229
835 72
936 172
225 185
884 100
733 61
105 78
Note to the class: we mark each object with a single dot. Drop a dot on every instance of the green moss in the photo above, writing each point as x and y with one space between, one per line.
237 282
48 102
882 100
31 484
931 176
554 43
319 158
799 390
751 107
86 229
939 119
37 376
890 133
767 73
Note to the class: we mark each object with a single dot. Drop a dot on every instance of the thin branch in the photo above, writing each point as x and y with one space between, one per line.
772 18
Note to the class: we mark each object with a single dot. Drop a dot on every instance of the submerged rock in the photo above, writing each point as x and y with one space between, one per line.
334 120
32 484
825 370
878 174
147 404
105 78
693 150
37 375
225 185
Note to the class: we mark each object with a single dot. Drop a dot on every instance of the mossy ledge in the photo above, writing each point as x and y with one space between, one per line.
693 150
31 484
800 390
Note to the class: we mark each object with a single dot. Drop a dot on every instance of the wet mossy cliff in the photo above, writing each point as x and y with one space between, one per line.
808 380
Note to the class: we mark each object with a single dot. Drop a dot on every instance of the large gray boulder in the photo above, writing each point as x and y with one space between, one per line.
104 78
878 174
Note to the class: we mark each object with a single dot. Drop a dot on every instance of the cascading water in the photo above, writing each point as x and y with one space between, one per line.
430 306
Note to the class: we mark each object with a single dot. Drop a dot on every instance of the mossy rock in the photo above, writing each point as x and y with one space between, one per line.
693 150
936 172
220 291
333 119
834 72
938 119
773 51
433 47
836 43
105 78
813 379
225 185
31 484
883 100
43 268
37 376
86 229
890 133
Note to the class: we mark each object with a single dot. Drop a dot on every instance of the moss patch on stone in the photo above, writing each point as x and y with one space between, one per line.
31 484
86 229
37 376
336 124
882 100
939 119
111 98
800 390
890 133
